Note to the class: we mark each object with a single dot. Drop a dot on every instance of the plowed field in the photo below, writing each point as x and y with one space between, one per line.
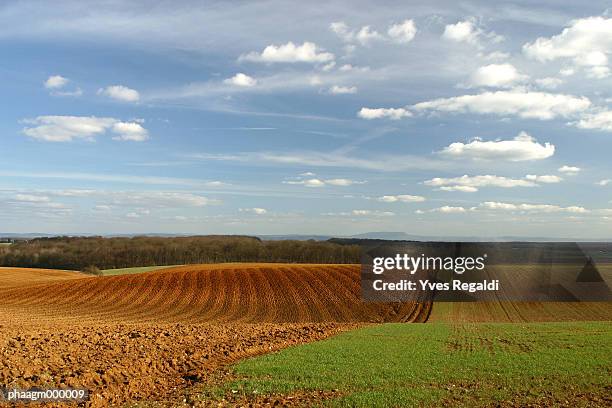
247 293
150 336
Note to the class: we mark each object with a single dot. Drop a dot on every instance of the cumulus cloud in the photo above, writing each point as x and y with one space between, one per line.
290 53
524 104
402 198
314 182
447 209
378 113
342 30
463 189
545 179
468 31
130 131
497 76
470 184
586 41
522 148
69 128
241 79
56 82
366 35
597 121
604 183
254 210
337 90
120 93
570 170
402 33
544 208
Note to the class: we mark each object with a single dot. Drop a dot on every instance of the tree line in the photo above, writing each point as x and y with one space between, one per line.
79 253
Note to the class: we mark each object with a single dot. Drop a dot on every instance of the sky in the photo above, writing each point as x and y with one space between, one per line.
336 118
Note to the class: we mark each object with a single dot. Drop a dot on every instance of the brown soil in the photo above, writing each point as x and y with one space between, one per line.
247 293
149 337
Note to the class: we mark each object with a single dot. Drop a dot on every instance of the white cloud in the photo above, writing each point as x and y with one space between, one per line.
342 182
120 93
241 79
328 67
462 31
469 32
56 85
449 210
523 147
349 68
314 182
254 210
587 41
138 214
546 179
363 213
377 113
337 90
545 208
130 131
69 128
30 198
402 198
56 82
471 184
366 35
549 82
604 183
525 104
290 53
570 170
598 121
157 199
402 33
599 72
463 189
497 76
342 30
307 174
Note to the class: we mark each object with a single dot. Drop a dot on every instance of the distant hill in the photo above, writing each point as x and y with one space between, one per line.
378 235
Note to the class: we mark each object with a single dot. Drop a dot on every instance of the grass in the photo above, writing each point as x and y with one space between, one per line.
436 364
128 271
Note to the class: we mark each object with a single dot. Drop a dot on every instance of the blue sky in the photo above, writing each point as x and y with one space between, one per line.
276 118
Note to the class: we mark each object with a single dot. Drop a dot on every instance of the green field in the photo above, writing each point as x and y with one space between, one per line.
539 364
128 271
